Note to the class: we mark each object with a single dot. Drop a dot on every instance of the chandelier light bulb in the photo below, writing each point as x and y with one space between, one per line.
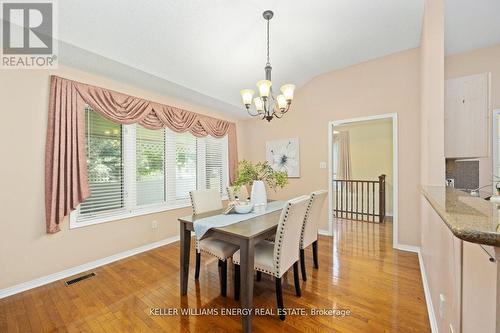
281 102
259 105
264 87
287 91
246 96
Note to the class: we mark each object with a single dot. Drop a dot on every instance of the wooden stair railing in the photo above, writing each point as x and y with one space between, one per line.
357 199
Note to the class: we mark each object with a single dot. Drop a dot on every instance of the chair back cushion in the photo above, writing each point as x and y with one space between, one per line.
312 217
204 201
286 248
242 193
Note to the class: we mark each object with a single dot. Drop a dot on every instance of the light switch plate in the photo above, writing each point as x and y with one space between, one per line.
322 165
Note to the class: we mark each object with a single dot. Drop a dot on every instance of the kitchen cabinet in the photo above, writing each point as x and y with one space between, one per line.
463 278
479 284
466 117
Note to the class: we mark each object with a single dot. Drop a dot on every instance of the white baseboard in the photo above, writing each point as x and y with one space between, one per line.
18 288
427 291
408 248
324 232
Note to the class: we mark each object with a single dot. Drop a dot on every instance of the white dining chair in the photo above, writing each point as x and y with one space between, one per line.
241 193
204 201
276 258
310 228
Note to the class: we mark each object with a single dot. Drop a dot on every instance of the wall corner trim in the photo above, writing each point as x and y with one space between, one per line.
19 288
427 291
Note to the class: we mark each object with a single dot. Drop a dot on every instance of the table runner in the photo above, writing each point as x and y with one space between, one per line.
217 221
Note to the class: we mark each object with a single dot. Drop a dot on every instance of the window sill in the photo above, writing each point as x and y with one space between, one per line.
98 219
75 224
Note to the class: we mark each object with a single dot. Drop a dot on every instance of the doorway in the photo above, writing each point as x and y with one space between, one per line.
363 180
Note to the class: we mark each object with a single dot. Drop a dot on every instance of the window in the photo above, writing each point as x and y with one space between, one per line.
104 165
133 170
150 165
335 163
183 152
215 159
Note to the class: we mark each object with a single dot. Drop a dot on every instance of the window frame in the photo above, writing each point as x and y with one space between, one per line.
131 209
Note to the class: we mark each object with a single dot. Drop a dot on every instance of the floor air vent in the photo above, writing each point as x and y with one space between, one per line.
78 279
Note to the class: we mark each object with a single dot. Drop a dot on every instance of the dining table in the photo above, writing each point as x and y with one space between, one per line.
245 233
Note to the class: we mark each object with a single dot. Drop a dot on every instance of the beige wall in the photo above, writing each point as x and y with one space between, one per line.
26 251
386 85
432 95
486 60
436 240
371 153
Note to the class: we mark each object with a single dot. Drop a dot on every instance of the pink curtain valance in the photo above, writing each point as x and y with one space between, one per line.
66 183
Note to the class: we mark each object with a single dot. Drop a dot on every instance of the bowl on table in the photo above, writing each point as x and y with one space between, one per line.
243 208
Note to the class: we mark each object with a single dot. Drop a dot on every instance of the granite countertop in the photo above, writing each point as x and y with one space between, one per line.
469 218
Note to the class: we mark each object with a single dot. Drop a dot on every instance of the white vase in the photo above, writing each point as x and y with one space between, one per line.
258 196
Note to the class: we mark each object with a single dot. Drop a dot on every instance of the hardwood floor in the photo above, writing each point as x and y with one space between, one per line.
358 271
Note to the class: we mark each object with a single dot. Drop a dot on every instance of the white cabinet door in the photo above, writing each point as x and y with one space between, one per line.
478 289
466 117
453 115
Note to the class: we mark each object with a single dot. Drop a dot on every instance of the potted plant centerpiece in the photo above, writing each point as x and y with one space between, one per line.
255 175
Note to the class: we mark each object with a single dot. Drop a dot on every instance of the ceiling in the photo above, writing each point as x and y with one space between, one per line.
212 49
471 24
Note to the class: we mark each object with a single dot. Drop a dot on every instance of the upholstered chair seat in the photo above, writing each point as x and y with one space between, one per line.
309 235
204 201
220 249
277 258
264 256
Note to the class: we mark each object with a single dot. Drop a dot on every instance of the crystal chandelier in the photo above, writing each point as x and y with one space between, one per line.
266 105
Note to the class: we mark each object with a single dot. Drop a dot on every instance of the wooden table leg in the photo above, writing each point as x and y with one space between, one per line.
185 236
246 282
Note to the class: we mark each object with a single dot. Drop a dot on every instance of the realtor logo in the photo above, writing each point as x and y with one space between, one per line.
28 35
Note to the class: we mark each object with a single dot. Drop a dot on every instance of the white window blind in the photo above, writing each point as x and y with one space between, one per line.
134 170
104 165
216 161
182 153
150 166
